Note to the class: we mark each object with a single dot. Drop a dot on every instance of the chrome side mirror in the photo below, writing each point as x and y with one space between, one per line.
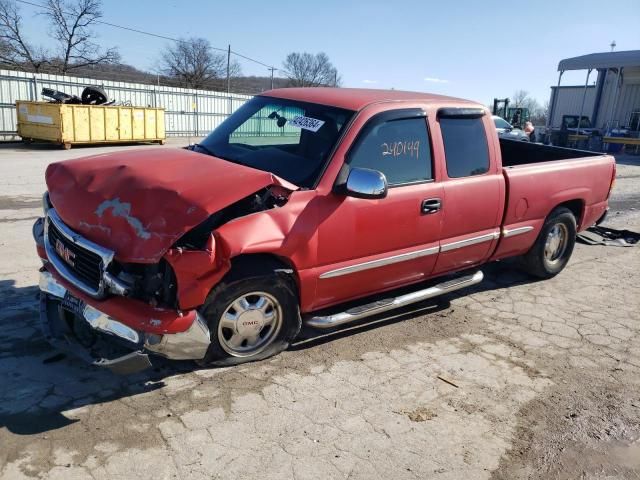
365 183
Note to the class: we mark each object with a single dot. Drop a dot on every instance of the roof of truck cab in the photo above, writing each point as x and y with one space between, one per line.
358 98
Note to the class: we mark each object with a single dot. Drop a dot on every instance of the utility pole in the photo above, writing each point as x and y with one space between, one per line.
613 45
229 70
272 70
335 78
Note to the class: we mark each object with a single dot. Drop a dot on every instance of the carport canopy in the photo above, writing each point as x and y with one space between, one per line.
628 58
596 61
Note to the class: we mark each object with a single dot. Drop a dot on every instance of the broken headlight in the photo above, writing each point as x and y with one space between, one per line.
154 284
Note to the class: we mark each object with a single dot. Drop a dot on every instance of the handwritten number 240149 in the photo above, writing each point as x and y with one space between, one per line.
396 149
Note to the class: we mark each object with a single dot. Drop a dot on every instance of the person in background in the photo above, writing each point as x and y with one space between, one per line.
530 131
515 121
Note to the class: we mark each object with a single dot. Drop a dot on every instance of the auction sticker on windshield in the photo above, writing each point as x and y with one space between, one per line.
306 123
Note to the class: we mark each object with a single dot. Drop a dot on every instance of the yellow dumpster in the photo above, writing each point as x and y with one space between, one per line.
68 124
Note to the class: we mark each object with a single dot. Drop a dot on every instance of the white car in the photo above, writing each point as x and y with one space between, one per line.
506 130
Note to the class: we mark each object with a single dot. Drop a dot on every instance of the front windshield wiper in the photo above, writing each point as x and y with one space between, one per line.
209 152
213 154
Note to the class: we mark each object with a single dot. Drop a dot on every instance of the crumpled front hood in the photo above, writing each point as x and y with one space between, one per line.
139 202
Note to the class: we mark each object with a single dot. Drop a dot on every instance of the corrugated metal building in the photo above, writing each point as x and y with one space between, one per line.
613 102
568 101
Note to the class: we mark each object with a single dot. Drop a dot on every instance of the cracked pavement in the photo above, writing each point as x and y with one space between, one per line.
511 379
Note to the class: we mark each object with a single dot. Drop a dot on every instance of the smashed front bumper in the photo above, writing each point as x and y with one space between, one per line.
71 324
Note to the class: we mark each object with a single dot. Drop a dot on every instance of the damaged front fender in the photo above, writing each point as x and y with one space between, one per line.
197 271
285 232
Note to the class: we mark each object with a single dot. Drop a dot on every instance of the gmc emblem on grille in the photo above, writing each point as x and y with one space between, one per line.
64 253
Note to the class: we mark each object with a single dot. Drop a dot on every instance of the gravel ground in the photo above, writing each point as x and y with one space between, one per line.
513 379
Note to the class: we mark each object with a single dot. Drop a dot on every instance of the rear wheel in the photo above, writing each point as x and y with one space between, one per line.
554 245
251 318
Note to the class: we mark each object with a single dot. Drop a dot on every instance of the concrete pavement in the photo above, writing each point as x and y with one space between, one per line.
512 379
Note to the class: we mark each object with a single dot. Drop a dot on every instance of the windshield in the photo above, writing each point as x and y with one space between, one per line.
501 123
289 138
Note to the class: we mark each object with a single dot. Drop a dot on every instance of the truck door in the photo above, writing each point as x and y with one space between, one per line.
473 185
367 246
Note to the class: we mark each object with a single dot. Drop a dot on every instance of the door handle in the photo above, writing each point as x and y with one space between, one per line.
430 205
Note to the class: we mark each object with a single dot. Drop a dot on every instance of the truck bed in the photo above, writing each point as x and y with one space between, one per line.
516 153
540 177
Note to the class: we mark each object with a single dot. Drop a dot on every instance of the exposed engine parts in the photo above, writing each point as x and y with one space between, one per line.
154 284
265 199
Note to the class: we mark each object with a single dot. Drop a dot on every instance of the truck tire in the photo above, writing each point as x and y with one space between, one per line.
94 95
554 245
250 318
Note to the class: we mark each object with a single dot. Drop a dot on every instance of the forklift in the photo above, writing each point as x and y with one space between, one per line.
516 116
500 106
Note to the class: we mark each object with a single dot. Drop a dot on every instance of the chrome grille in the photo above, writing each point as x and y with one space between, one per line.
84 264
78 260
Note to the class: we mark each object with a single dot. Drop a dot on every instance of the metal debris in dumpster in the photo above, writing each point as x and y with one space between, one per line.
71 124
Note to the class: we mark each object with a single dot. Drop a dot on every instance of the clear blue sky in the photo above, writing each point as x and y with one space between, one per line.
472 49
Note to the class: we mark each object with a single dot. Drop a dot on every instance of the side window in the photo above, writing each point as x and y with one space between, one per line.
465 146
398 148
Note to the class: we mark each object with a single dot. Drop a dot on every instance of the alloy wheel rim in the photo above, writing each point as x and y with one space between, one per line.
249 324
556 243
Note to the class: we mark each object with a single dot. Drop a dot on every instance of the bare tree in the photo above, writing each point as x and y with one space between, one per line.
520 98
14 48
71 28
308 70
194 63
539 114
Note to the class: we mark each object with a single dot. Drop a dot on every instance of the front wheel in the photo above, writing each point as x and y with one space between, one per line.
250 319
554 245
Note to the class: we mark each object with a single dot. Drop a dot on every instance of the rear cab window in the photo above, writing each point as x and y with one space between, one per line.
395 143
465 146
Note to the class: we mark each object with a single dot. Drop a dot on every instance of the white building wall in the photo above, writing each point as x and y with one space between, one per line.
618 112
569 100
611 112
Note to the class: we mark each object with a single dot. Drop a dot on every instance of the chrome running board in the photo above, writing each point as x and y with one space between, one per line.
379 306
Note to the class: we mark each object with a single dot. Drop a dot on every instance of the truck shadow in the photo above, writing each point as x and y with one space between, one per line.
628 159
39 384
498 275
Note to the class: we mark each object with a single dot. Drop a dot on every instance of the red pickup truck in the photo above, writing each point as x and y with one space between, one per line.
318 206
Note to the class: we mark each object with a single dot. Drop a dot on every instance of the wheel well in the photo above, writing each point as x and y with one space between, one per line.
575 206
262 264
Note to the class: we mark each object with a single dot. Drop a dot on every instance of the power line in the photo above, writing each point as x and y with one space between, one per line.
156 35
46 7
252 60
